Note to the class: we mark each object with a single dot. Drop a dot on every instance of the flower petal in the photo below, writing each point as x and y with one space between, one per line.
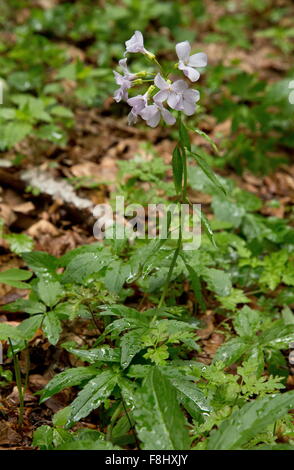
160 82
191 95
191 73
183 50
161 96
132 118
168 117
151 115
188 108
123 64
135 43
179 86
198 60
173 99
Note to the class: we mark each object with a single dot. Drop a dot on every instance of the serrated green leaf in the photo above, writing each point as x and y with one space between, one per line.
52 327
131 343
218 281
250 420
231 351
8 331
81 266
159 421
41 263
14 276
29 326
103 354
49 291
67 378
92 395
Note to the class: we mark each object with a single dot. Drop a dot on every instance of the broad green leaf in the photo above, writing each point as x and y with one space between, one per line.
92 395
247 321
159 420
8 331
67 378
27 306
15 131
29 326
81 266
228 211
231 351
116 275
52 327
231 301
19 242
49 291
89 445
250 420
14 276
218 281
43 437
41 263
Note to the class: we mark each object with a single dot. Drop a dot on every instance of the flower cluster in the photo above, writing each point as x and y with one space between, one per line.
177 95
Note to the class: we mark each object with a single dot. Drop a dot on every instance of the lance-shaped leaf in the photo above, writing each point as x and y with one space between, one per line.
250 420
131 343
103 353
208 171
67 378
196 284
14 277
92 395
177 164
160 422
190 391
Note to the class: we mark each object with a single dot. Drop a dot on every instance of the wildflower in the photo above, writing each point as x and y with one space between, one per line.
187 62
170 92
187 101
138 103
122 92
152 114
178 95
136 43
125 82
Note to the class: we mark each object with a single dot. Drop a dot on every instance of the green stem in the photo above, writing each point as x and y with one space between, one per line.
112 422
18 384
182 199
173 263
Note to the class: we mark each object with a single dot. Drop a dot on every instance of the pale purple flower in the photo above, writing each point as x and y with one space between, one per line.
188 100
136 43
152 114
123 65
170 92
138 103
125 82
178 95
122 92
188 63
